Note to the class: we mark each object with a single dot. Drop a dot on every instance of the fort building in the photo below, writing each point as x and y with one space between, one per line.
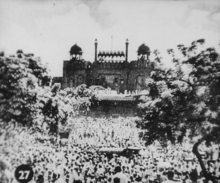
110 69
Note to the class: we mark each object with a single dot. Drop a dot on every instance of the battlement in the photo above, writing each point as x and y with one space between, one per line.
75 64
111 54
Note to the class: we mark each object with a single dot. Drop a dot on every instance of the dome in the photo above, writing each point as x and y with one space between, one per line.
143 49
75 49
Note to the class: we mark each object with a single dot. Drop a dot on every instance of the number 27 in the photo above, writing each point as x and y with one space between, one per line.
23 173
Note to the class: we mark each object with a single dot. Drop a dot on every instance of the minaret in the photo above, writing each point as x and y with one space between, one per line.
126 51
96 45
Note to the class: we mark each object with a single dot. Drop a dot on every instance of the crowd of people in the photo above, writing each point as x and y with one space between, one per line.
77 159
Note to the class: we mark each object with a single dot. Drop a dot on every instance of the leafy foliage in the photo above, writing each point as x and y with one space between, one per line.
19 88
59 106
27 98
184 98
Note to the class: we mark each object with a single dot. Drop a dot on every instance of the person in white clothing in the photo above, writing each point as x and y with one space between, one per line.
119 177
170 176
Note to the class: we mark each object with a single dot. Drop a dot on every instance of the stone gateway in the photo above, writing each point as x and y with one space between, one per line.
109 69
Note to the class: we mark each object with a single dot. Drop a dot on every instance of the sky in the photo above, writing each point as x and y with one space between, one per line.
49 28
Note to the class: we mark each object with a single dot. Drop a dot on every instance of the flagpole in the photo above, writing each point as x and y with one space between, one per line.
111 42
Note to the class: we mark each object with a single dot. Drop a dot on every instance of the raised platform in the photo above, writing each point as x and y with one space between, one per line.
111 104
115 98
112 95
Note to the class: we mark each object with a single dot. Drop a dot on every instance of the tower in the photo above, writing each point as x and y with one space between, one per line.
96 45
76 52
143 52
126 50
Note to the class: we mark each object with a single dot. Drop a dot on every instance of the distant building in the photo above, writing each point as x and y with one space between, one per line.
109 69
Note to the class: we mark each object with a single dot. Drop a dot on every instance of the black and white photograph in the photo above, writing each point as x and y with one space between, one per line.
109 91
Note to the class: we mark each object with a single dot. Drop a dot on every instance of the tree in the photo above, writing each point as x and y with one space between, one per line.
59 107
27 98
185 98
19 88
38 68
